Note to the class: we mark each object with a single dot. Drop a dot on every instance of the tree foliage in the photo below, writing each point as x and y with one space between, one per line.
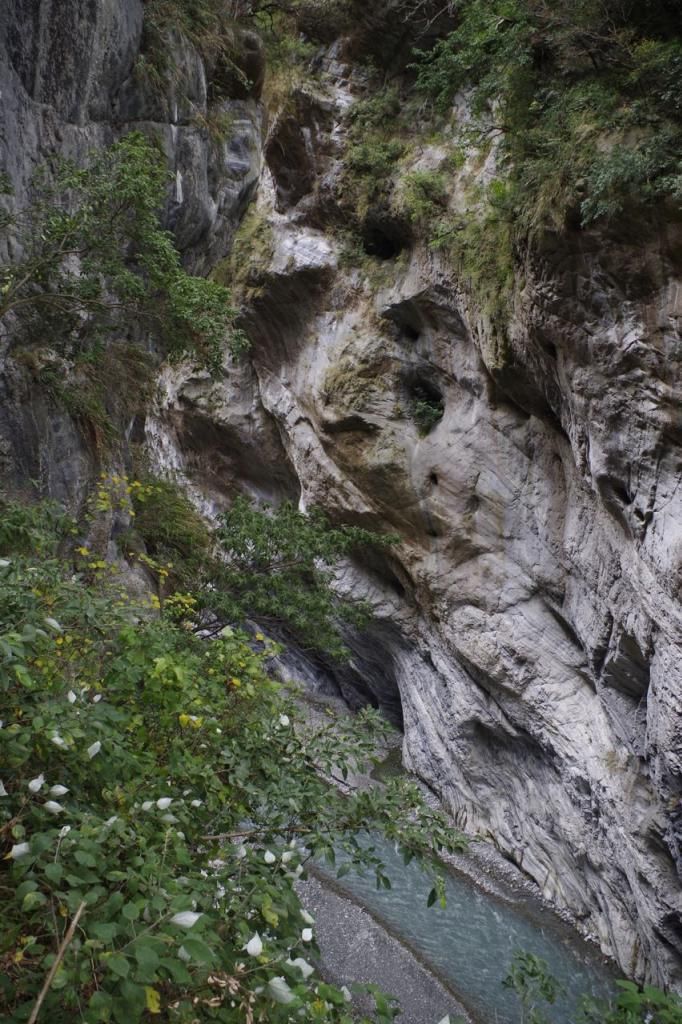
278 564
159 798
586 105
95 262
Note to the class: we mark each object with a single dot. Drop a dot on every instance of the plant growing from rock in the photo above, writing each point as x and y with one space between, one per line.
95 262
278 565
586 110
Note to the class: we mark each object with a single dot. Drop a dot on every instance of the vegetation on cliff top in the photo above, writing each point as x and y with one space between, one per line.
586 107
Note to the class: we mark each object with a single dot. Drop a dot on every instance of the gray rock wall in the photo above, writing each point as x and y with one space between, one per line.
73 80
528 625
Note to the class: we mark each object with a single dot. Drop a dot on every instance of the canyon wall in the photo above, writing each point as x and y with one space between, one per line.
526 627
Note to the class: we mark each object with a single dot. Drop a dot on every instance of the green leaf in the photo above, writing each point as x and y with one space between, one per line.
85 858
104 930
101 1004
432 897
131 911
118 965
32 900
198 950
147 958
26 887
54 872
177 970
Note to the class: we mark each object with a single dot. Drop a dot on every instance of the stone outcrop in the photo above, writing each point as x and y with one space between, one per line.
74 77
527 625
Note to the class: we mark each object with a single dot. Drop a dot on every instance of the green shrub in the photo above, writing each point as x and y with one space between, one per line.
536 989
173 532
426 413
97 263
423 196
158 801
560 93
277 566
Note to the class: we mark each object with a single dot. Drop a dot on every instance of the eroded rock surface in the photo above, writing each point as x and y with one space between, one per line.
527 627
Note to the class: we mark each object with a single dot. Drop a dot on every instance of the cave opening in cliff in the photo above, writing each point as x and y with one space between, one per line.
384 236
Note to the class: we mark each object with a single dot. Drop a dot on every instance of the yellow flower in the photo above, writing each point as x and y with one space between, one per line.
193 721
235 682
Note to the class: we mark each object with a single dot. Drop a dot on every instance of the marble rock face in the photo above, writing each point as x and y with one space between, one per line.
73 80
527 626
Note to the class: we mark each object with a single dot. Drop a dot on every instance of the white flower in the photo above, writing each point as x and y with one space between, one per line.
97 698
3 791
53 807
19 850
269 857
170 819
298 870
58 791
164 803
71 697
110 821
445 1020
147 805
58 741
307 918
35 785
240 852
347 996
304 967
287 855
64 831
284 721
307 935
4 562
183 954
196 803
185 919
94 750
53 624
279 991
254 947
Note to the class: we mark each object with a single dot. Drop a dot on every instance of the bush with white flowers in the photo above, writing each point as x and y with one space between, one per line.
152 829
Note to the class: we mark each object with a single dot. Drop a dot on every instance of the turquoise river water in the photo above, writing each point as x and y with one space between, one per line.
470 943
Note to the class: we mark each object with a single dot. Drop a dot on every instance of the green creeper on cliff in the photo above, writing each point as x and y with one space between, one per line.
95 262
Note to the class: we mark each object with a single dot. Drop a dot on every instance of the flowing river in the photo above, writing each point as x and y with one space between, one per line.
470 943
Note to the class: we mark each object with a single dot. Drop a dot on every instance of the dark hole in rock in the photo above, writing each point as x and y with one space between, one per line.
627 669
670 930
433 478
621 493
383 236
425 400
411 333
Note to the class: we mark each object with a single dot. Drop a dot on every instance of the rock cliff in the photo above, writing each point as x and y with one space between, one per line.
526 630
